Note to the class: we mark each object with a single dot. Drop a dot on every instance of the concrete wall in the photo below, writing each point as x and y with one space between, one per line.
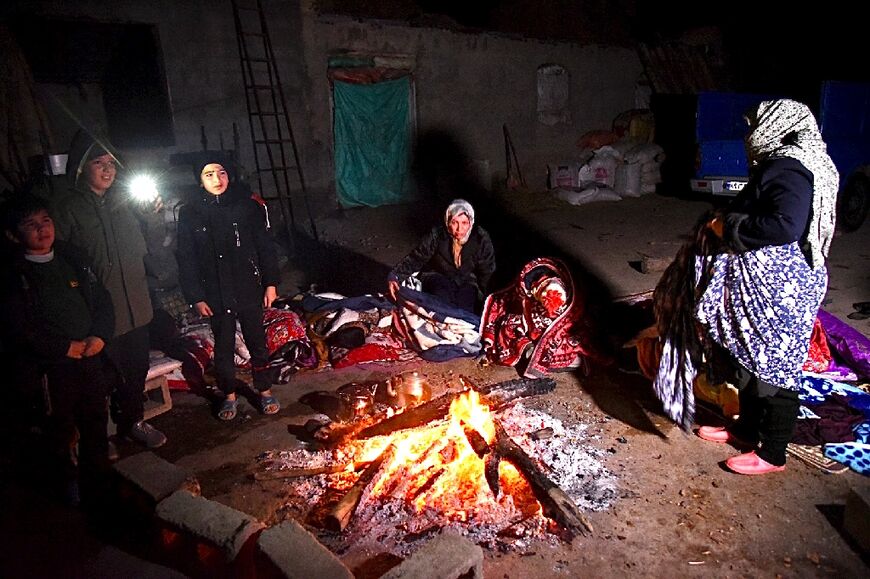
467 85
201 62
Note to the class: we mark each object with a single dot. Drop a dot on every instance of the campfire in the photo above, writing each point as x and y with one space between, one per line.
448 462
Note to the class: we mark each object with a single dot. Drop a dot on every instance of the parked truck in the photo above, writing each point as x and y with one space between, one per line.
843 110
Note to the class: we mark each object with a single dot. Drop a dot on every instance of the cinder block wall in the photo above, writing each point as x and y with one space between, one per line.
467 85
197 40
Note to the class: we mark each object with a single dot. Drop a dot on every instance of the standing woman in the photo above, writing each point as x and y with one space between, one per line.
455 261
229 271
761 290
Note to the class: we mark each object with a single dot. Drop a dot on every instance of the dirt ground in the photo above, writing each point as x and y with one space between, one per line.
679 512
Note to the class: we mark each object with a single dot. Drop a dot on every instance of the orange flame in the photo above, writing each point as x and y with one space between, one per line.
436 467
467 409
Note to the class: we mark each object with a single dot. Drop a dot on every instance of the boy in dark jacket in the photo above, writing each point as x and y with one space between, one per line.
100 218
57 318
229 271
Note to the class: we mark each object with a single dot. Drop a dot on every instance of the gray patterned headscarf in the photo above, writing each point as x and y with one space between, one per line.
458 207
786 128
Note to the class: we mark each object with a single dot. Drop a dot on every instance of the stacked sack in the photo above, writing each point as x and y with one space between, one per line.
611 165
641 170
592 178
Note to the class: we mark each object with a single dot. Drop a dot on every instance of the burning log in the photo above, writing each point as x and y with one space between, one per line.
339 517
490 473
495 396
448 452
555 503
428 484
333 432
477 442
412 417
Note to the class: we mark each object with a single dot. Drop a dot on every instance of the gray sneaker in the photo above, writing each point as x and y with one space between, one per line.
114 455
146 435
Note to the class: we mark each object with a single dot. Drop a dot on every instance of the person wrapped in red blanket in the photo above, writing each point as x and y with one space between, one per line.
534 324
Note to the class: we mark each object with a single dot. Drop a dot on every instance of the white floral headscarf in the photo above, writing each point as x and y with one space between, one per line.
787 128
458 207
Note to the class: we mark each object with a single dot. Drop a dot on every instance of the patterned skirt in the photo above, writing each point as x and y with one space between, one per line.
760 306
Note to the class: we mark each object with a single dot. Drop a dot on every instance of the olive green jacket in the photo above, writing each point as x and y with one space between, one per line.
109 231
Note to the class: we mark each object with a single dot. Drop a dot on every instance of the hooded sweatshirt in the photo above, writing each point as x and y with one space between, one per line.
110 232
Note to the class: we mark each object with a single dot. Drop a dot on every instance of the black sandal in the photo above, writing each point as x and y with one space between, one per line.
228 410
269 404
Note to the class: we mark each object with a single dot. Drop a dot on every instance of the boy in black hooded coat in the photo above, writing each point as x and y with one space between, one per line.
229 271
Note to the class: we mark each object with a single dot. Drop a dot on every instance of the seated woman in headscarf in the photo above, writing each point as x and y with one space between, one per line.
534 324
453 262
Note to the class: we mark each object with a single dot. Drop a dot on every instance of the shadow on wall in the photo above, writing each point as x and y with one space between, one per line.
334 268
443 171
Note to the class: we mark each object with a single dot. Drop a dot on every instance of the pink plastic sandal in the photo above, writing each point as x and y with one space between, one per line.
751 464
714 434
721 435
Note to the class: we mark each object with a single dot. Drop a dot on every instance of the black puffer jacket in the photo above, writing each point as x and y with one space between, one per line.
226 257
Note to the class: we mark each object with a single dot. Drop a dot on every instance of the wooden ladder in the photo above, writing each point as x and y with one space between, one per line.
276 154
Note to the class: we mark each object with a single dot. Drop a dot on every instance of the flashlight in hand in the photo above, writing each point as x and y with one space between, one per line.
143 188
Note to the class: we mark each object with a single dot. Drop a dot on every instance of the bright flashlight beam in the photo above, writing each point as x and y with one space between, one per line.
143 188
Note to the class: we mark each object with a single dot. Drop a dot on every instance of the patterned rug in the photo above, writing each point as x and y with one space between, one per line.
812 455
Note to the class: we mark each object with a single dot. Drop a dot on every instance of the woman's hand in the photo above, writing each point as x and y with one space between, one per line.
269 296
393 289
717 227
203 310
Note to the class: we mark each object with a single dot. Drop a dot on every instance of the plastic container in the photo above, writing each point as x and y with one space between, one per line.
57 164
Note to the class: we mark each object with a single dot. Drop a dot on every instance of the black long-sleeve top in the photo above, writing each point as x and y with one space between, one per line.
773 208
435 253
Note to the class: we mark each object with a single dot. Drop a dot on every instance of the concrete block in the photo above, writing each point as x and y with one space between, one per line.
297 554
447 556
856 516
154 476
217 524
158 399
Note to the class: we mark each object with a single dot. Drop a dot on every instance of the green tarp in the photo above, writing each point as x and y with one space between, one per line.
372 142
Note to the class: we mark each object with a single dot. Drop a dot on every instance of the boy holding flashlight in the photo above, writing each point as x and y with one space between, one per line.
101 220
